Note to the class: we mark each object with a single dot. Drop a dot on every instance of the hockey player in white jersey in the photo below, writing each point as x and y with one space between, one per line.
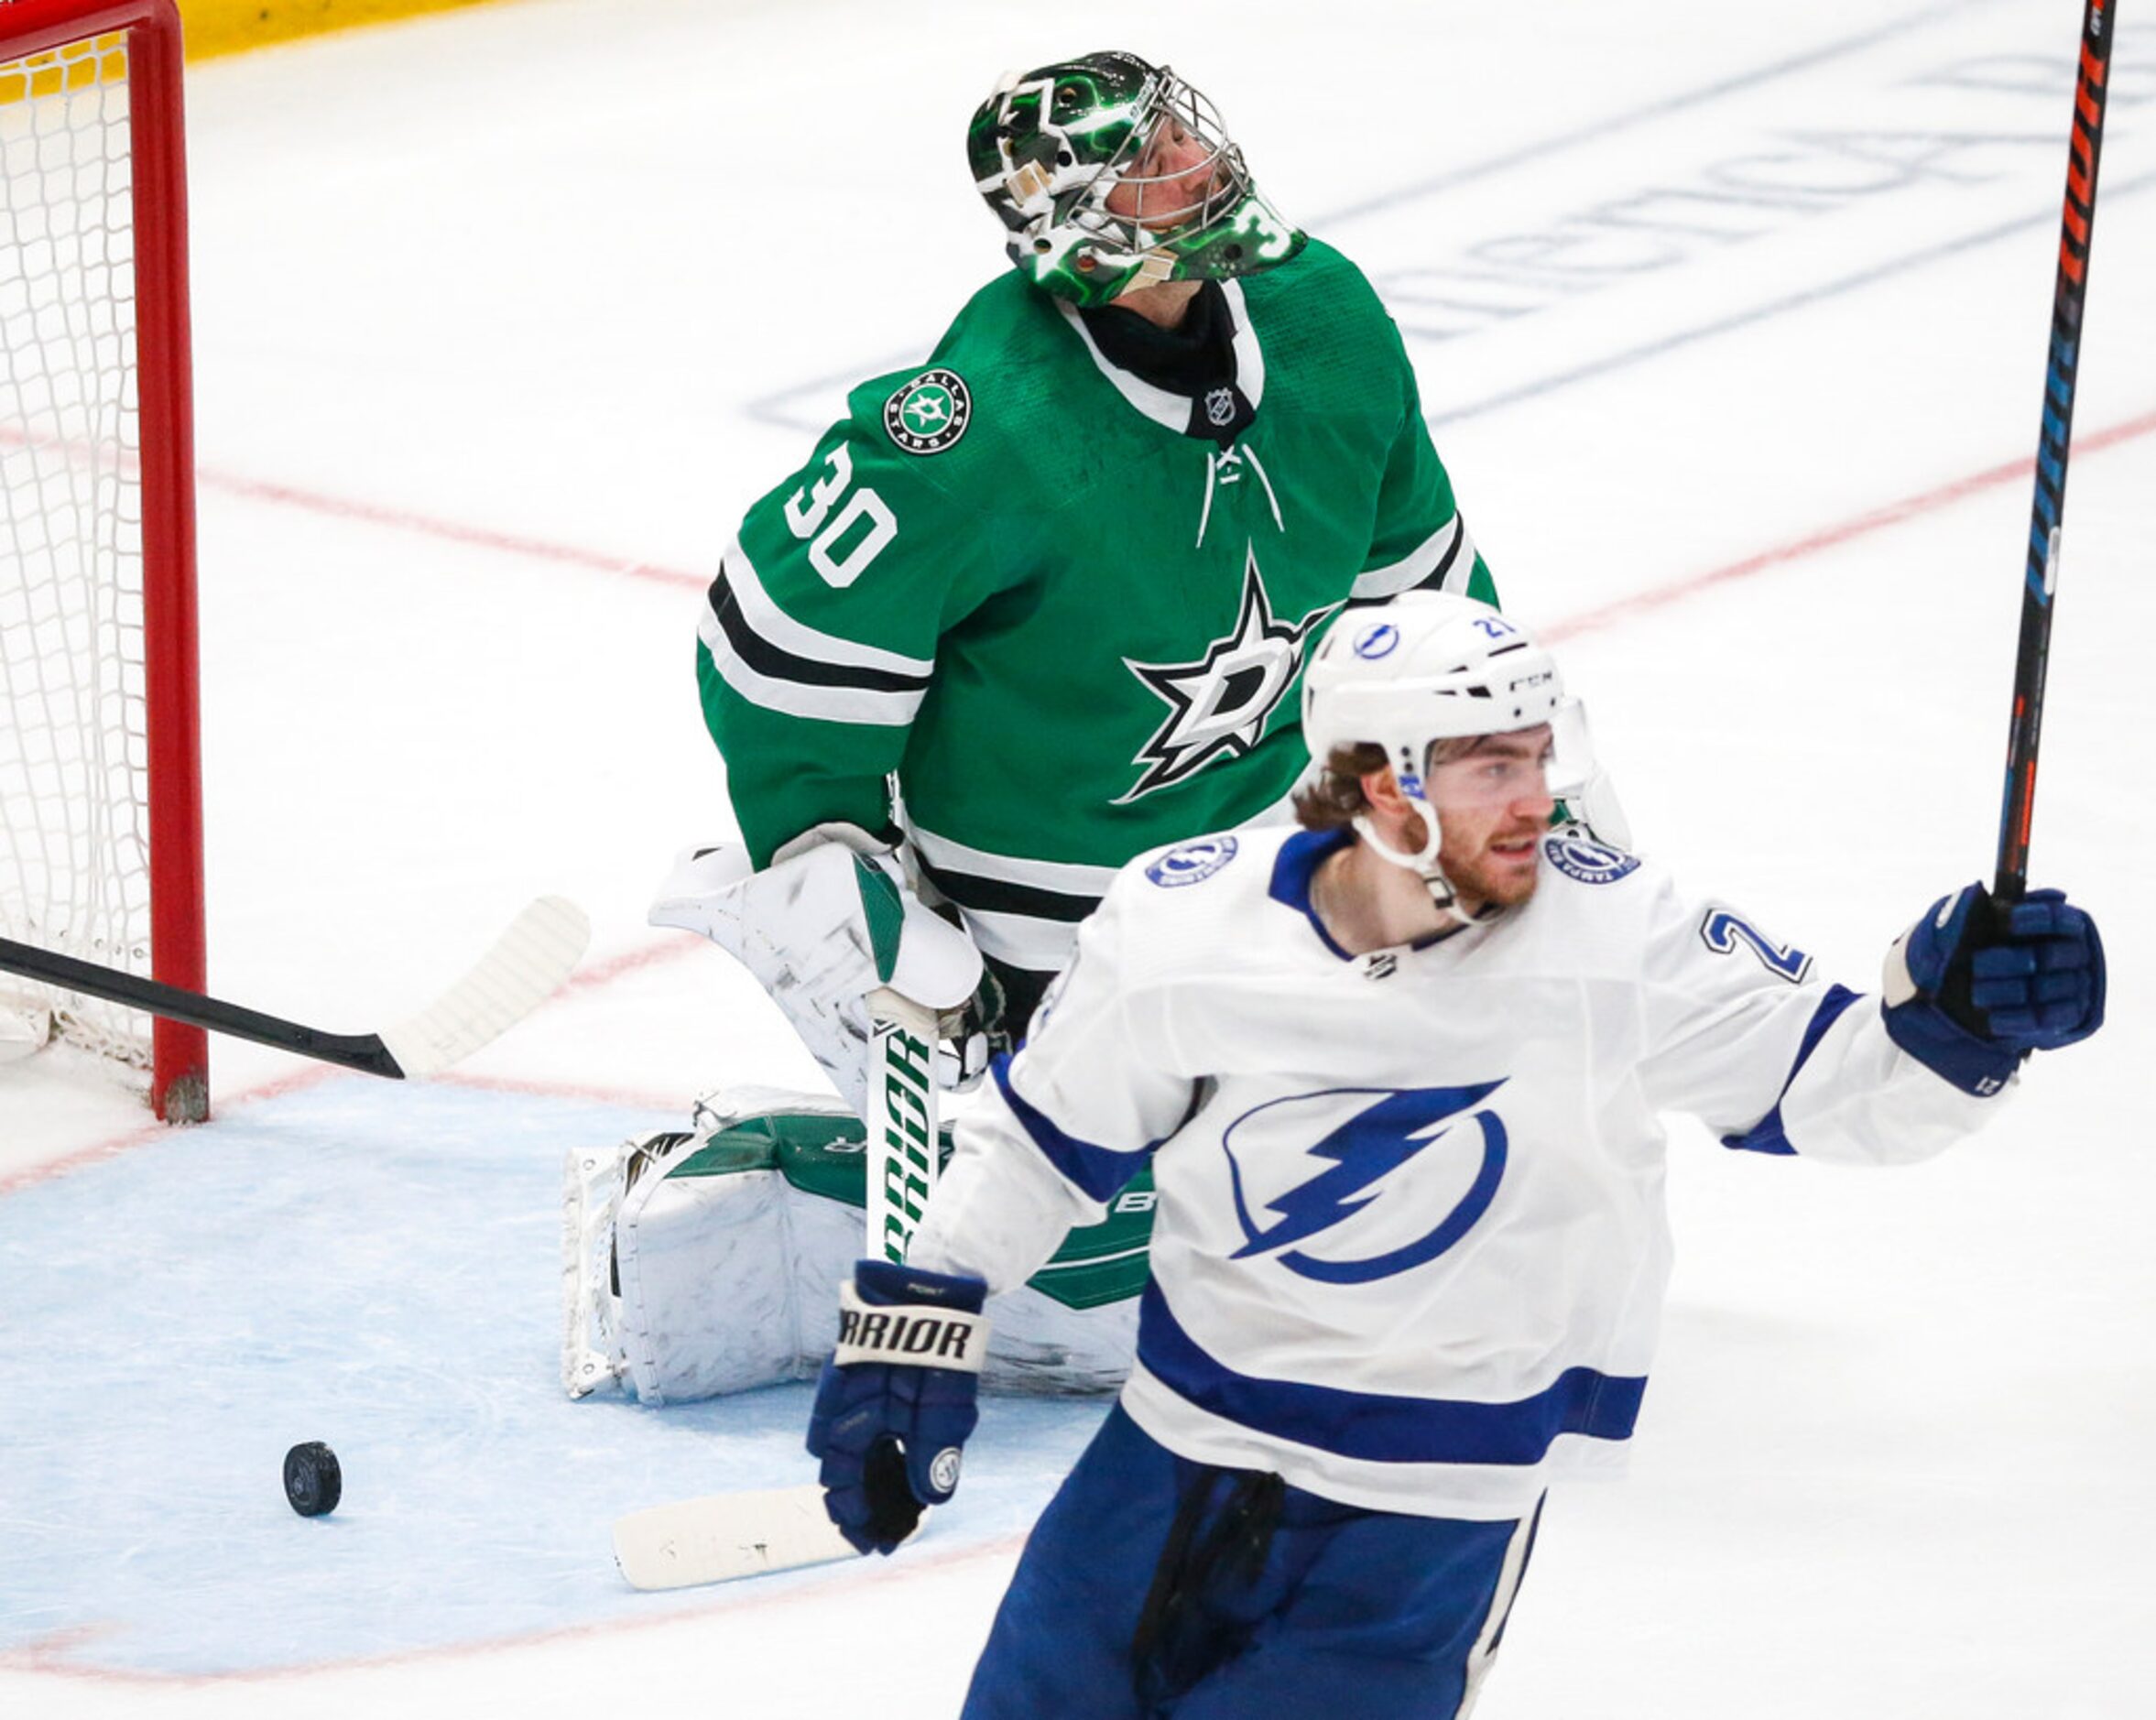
1398 1076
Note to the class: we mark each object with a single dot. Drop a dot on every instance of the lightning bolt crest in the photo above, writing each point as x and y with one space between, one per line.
1367 1148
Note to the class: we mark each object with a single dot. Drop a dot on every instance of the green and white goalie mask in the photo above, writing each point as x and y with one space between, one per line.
1051 148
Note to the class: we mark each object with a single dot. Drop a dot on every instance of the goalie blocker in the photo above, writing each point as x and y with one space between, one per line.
708 1260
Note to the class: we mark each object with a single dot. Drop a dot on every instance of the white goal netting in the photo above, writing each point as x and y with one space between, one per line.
75 845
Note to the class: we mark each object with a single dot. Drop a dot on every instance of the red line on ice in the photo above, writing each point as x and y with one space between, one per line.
425 526
1930 501
45 1655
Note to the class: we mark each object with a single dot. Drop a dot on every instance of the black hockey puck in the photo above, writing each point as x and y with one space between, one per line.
313 1483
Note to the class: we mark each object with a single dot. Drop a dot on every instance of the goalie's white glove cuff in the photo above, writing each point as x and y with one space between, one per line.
819 929
846 835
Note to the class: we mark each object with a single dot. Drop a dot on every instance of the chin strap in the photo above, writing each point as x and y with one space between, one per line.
1443 896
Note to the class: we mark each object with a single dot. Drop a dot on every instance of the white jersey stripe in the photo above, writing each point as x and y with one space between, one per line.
1485 1652
1420 563
1035 942
1250 355
1061 876
773 624
801 699
1041 946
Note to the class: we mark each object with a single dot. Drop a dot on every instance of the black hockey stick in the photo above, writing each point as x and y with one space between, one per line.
2040 584
527 964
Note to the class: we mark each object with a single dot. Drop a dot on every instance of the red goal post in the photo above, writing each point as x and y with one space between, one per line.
101 853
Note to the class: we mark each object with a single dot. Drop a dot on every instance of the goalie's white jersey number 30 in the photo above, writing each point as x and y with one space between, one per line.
840 545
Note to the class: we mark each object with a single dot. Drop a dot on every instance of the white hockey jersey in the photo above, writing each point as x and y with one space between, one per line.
1410 1245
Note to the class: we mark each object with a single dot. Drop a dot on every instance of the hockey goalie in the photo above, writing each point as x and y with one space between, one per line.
1024 613
707 1260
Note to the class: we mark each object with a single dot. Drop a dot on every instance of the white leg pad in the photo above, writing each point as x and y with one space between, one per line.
729 1281
591 1194
710 1299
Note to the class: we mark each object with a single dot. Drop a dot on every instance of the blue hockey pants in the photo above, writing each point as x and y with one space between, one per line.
1153 1586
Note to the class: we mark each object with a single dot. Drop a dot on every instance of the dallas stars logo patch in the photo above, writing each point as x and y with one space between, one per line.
929 413
1218 706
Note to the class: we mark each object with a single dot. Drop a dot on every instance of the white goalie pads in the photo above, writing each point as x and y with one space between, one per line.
821 928
679 1287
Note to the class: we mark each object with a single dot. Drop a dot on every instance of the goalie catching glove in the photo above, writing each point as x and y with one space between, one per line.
895 1402
1977 983
831 919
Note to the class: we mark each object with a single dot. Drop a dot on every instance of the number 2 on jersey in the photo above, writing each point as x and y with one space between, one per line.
808 515
1724 931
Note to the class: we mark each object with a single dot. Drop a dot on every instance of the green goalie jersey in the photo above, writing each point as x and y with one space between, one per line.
1064 609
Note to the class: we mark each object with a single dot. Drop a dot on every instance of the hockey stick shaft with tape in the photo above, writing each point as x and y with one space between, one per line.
2040 585
526 966
900 1119
727 1536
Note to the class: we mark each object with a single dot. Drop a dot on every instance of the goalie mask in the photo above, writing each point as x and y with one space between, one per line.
1426 667
1051 149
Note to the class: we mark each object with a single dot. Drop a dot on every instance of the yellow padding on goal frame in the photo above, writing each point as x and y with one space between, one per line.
210 27
76 66
232 27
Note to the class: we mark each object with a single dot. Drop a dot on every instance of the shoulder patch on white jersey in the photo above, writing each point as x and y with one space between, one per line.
1588 861
1192 862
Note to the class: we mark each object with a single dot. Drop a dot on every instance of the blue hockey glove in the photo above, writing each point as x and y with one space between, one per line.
1976 984
896 1401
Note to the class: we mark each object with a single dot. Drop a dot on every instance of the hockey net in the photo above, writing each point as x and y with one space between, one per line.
100 822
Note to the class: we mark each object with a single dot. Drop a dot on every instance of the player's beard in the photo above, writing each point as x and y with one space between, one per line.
1489 878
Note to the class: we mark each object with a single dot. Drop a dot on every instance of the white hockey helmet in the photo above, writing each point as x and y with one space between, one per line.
1428 667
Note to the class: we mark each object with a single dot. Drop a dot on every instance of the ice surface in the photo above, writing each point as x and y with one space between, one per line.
502 317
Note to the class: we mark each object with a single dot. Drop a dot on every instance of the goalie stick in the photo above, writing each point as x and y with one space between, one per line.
2040 583
727 1535
525 967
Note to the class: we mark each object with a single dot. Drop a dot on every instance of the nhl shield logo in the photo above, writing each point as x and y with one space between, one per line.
929 413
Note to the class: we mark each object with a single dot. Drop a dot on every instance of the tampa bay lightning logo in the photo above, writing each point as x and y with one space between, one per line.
1589 862
1370 1134
1380 641
1192 863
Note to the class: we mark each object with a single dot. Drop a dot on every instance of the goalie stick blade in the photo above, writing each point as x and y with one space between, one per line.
726 1536
526 966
